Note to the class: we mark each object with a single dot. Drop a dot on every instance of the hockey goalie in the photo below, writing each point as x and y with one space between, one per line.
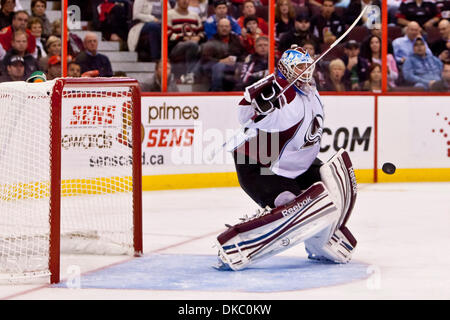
301 198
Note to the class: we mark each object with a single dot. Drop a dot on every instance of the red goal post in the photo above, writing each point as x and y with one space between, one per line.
70 172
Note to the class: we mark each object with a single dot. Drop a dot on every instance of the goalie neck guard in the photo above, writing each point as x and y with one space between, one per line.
291 65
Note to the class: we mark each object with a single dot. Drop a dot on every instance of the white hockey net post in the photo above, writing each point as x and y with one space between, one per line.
70 172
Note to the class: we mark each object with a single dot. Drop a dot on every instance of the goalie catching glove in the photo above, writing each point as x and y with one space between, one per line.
264 94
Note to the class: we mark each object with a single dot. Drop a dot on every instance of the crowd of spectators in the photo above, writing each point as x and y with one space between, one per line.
223 44
226 57
30 42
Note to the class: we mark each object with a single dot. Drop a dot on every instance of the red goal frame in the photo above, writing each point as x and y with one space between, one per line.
55 163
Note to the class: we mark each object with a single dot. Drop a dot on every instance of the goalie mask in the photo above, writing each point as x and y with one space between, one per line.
292 63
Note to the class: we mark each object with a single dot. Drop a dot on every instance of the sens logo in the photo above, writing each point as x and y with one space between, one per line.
170 137
92 115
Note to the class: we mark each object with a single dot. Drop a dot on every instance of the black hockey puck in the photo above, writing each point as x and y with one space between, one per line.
388 168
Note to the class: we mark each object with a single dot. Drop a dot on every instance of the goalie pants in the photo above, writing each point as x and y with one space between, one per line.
263 186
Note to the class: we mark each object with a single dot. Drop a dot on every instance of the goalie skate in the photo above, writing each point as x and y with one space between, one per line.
337 249
270 232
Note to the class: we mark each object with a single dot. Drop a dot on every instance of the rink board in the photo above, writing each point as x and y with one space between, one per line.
409 131
413 134
180 133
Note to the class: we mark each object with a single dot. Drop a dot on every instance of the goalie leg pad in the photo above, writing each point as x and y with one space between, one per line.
336 244
277 230
339 178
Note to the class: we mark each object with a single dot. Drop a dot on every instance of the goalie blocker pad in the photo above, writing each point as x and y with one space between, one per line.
277 230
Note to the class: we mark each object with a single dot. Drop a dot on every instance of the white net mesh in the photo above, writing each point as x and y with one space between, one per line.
96 170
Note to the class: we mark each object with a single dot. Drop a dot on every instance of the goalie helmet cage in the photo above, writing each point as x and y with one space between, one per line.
70 172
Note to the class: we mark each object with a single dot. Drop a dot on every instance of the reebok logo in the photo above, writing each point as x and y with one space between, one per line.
351 173
297 207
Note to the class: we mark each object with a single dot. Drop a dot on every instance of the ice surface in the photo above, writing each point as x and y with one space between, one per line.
402 253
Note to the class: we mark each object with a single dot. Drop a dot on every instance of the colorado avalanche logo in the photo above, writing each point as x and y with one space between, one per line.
314 132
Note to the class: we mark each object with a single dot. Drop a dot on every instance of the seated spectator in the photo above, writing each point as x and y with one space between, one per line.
6 13
220 11
327 25
75 43
374 82
53 47
301 32
54 67
248 10
155 83
422 69
57 28
319 70
393 6
93 63
113 19
335 79
145 35
36 26
199 7
219 57
73 70
443 85
38 8
185 32
371 51
444 8
441 47
235 7
284 17
424 12
19 45
354 9
252 33
356 66
403 46
15 70
19 22
255 66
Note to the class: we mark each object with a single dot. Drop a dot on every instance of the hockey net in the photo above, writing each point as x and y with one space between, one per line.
69 172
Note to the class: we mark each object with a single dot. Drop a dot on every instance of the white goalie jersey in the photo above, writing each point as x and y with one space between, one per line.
288 139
